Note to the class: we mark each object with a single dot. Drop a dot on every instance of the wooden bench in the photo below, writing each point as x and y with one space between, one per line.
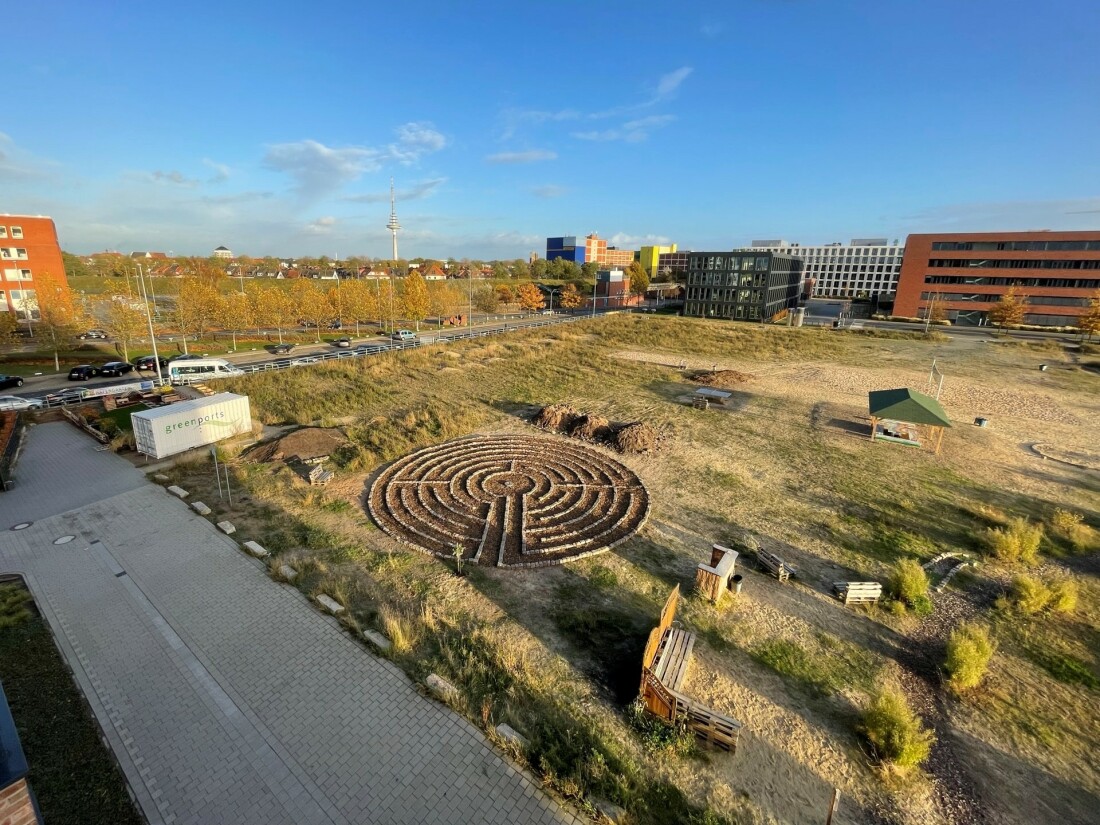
320 476
775 565
714 396
700 403
711 579
858 592
674 657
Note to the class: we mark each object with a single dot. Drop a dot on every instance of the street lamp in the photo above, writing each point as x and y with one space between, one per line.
149 318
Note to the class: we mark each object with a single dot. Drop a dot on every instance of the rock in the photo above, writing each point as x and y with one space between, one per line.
331 605
179 492
288 572
256 550
227 527
378 640
441 687
160 477
509 734
200 508
610 811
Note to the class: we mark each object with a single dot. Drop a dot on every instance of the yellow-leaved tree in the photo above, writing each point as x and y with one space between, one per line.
415 299
530 298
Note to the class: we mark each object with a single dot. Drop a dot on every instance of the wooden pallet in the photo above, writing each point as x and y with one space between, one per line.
674 657
858 592
709 726
320 476
775 565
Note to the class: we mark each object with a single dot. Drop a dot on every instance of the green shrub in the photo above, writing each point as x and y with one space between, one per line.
1071 527
909 582
895 732
1063 596
13 605
1017 542
603 577
1029 595
969 650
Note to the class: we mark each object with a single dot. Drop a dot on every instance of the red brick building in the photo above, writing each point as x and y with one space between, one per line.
1058 273
30 261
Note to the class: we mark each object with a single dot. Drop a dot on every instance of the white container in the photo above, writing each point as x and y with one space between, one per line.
165 431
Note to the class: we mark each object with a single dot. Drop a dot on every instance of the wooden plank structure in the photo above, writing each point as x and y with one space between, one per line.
775 565
714 578
903 406
320 476
664 666
858 592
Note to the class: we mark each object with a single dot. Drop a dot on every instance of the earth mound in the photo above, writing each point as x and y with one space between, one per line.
307 444
725 379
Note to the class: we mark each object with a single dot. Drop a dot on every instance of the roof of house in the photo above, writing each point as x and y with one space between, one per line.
907 405
222 249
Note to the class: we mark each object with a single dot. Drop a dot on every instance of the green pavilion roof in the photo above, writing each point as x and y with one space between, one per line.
909 406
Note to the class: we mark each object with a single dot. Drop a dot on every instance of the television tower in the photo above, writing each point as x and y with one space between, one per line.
393 225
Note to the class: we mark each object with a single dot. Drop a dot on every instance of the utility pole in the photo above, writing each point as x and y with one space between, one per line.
149 318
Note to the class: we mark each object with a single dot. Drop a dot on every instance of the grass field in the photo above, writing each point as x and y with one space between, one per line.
556 652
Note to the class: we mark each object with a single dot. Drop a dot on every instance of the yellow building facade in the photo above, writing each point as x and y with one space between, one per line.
649 256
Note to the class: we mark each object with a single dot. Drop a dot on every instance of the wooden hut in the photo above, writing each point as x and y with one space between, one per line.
897 414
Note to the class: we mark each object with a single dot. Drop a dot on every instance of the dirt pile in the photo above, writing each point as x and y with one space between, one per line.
632 437
724 379
556 417
307 444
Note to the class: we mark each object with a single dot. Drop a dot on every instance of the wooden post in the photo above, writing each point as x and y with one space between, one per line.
834 806
874 423
939 441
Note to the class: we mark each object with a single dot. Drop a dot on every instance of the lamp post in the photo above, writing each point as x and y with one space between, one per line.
149 319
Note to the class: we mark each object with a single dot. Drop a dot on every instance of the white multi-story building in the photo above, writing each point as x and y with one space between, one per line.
865 267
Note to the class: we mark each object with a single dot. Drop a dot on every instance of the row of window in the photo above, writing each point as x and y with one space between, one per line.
9 253
726 295
728 279
742 312
1017 246
853 269
712 262
1045 300
1011 263
17 275
16 232
1057 283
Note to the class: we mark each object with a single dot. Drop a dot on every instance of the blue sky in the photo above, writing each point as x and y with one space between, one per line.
271 130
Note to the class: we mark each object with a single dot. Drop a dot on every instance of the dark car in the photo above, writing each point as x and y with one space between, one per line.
10 381
95 333
117 368
149 362
83 372
335 325
282 349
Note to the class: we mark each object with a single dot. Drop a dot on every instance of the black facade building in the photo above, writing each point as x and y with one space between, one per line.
744 286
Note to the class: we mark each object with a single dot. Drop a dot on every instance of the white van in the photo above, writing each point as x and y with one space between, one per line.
201 369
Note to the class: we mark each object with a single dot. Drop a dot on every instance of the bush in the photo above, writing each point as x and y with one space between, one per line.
969 650
895 732
1029 595
1063 596
1071 527
909 582
1017 542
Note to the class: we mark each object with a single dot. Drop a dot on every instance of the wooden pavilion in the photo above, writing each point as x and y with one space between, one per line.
896 414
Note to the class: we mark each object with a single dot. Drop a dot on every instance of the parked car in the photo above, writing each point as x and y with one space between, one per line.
10 381
335 325
403 335
191 356
282 349
342 343
15 402
547 312
149 362
95 333
83 372
64 396
117 368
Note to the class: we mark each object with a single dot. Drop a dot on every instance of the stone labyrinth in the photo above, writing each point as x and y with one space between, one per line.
509 500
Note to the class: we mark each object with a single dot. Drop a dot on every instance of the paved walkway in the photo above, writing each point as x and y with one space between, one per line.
225 696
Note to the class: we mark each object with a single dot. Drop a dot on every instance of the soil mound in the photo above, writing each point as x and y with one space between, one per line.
727 379
591 428
307 444
638 437
557 417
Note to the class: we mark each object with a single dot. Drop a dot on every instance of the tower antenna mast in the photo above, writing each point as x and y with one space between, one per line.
393 225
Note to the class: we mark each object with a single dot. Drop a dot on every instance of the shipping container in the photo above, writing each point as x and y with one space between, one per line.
165 431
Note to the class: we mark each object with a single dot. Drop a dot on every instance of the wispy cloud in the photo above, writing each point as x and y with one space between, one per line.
624 240
669 83
514 119
321 226
549 190
711 28
417 191
1005 215
633 131
174 178
530 156
221 171
18 165
319 170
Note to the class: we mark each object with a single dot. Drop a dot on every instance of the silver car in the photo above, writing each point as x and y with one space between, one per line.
15 402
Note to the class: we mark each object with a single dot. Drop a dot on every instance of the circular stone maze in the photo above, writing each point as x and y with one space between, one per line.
509 500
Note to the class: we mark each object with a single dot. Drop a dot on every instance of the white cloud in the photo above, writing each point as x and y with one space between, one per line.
711 28
530 156
221 171
514 119
417 191
18 165
321 226
669 83
624 240
318 169
175 177
549 190
633 131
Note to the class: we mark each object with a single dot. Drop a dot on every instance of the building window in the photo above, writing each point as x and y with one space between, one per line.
17 232
21 254
3 232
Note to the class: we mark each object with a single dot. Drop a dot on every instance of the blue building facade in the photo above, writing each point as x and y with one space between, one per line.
565 247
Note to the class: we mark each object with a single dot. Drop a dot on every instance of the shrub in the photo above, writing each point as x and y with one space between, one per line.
1029 595
13 605
969 650
1063 596
1017 542
1071 527
895 732
909 582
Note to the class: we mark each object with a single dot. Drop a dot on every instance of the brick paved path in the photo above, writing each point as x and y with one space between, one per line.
224 695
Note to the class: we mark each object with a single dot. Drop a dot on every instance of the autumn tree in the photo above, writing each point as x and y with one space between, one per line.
530 298
485 299
520 269
9 327
197 307
570 298
505 294
937 311
125 321
235 314
639 278
1089 323
415 299
389 302
444 301
57 317
311 305
1009 311
360 302
271 307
